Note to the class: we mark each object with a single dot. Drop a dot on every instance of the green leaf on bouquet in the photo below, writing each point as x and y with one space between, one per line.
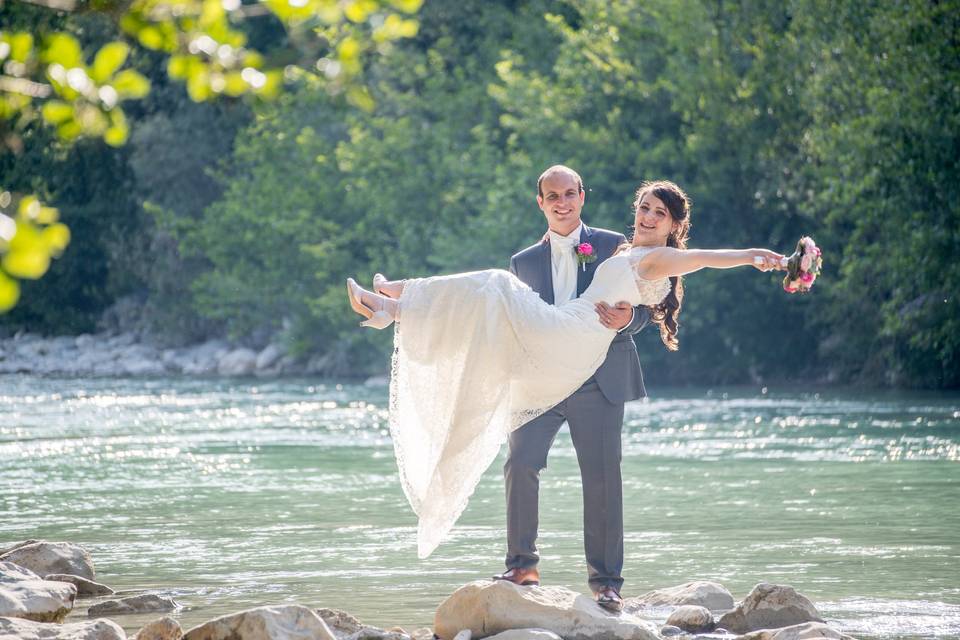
110 58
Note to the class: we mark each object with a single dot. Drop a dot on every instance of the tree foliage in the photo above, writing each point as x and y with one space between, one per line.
838 120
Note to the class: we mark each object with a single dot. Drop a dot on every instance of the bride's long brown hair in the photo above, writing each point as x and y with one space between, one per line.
667 313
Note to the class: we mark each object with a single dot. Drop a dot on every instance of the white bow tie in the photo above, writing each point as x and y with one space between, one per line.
564 242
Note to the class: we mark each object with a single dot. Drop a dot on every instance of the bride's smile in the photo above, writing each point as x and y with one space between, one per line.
653 223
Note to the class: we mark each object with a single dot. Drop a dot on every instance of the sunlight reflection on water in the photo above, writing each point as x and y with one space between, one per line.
231 493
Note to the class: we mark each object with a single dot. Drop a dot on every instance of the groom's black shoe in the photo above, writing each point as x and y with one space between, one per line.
609 599
524 577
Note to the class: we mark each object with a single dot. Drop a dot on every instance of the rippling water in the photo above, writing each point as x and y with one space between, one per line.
231 494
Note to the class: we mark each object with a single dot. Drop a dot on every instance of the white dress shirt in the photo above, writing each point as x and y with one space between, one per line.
563 261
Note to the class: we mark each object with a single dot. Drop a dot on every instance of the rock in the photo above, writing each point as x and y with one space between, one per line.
121 340
270 355
239 362
24 594
770 606
283 622
423 633
487 608
16 545
345 627
165 628
667 631
701 593
84 587
102 629
144 603
340 622
374 633
138 367
525 634
805 631
691 618
43 558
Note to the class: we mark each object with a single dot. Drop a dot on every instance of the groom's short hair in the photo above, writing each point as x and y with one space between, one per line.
558 169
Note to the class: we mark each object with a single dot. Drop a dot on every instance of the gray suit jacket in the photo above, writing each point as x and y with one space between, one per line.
619 377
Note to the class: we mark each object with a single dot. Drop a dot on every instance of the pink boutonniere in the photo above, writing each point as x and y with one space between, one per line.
585 254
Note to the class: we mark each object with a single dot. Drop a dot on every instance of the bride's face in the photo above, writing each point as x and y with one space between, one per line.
653 222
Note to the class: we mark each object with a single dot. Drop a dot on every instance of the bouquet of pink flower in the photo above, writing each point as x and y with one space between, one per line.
803 267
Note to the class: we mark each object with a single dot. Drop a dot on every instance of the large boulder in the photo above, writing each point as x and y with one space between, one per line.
102 629
487 608
341 623
701 593
165 628
346 627
85 588
770 606
239 362
44 558
692 619
270 355
805 631
283 622
23 594
145 603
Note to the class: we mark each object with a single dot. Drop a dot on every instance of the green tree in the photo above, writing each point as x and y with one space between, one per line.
48 76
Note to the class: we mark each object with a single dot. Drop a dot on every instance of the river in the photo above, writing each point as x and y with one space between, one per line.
227 494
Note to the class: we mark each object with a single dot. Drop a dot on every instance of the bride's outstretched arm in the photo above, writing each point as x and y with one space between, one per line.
664 262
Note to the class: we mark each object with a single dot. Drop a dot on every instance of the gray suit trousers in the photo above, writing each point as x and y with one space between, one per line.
595 428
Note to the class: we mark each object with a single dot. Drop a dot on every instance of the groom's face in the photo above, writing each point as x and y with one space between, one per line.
561 202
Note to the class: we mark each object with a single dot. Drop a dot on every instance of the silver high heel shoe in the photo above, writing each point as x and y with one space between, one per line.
375 318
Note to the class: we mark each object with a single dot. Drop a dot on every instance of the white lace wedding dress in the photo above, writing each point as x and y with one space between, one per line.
479 354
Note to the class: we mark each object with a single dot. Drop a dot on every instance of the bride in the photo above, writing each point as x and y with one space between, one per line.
479 354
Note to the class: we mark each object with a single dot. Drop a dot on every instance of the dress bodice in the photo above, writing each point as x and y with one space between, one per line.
617 279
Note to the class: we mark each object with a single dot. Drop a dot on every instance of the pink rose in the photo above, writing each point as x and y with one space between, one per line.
806 277
805 262
586 249
809 243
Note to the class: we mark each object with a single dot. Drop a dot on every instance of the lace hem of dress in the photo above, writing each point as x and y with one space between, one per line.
435 523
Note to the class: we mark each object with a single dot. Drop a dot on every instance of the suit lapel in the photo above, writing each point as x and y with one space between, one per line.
584 276
546 273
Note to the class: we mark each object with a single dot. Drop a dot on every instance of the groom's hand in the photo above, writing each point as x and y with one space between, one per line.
615 317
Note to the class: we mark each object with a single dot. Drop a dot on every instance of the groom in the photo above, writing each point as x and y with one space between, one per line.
594 412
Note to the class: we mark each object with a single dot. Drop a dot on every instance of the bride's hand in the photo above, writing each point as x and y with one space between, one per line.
766 260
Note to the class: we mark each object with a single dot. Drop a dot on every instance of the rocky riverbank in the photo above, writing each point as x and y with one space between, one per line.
125 355
41 582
